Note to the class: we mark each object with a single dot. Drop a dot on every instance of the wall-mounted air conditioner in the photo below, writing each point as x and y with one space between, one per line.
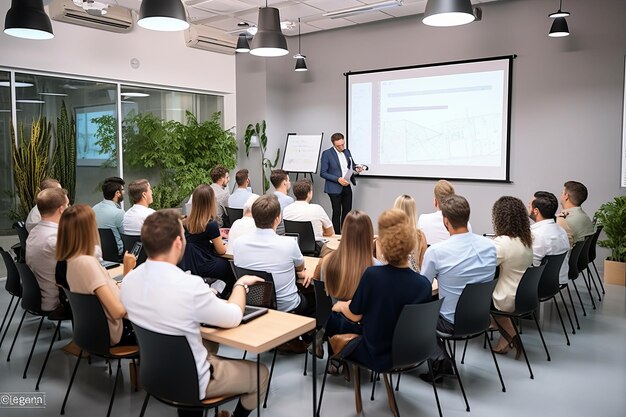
209 39
116 19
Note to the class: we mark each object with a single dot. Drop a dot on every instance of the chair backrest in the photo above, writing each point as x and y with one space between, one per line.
527 296
549 281
239 272
473 308
583 259
108 245
260 294
91 329
22 235
129 242
306 239
31 293
573 260
234 214
323 303
13 284
415 334
176 381
594 242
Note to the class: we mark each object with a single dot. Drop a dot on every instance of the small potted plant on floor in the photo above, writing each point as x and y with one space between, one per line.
612 217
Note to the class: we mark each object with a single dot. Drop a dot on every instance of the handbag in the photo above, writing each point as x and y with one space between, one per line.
344 344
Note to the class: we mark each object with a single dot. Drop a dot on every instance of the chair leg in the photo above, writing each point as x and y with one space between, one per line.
374 379
558 310
319 404
391 399
521 344
545 347
593 302
69 387
306 361
10 321
358 403
6 314
593 280
599 277
579 299
269 381
398 383
464 350
571 301
19 326
458 377
432 378
45 361
117 377
495 361
567 312
32 349
145 405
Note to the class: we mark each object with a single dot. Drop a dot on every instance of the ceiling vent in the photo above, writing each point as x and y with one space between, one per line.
209 39
116 19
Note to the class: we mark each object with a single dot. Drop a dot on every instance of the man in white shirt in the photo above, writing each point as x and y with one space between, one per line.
34 216
263 250
548 237
242 226
109 213
432 223
141 195
42 242
219 176
160 297
302 211
281 183
241 194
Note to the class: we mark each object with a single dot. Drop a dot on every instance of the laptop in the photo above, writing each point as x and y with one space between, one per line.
109 264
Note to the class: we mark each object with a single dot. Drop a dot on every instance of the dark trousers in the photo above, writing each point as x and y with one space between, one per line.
440 352
341 204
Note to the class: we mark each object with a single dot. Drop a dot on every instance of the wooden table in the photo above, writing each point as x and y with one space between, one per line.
262 334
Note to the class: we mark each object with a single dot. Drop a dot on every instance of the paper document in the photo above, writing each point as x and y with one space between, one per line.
348 175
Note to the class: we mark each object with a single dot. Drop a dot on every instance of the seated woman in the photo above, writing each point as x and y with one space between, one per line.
382 293
514 247
341 269
204 240
76 241
407 204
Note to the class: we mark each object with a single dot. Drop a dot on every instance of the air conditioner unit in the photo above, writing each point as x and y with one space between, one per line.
117 19
209 39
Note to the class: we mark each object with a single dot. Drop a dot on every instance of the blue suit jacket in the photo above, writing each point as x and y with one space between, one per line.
330 170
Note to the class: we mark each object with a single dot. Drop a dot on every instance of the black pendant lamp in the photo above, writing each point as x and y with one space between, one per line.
27 19
448 13
242 43
559 27
300 59
164 16
269 40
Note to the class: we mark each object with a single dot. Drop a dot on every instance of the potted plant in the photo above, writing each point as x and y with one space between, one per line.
258 130
612 217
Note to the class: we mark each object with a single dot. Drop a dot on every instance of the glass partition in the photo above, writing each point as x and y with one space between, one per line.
6 176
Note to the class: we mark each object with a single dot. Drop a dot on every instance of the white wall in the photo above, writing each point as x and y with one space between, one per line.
566 100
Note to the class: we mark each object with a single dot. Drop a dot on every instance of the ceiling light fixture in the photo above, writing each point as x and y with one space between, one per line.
134 94
269 40
18 84
559 13
559 28
30 101
27 19
53 94
363 9
300 59
448 13
165 16
242 44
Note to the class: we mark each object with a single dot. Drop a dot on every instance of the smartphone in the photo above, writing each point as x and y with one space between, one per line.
136 249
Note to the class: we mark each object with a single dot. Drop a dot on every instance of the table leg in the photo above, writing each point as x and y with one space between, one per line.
314 375
258 385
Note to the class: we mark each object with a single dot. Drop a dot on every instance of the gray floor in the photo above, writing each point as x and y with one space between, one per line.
587 378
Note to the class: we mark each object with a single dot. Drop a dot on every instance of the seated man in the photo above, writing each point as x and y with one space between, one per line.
281 183
548 237
242 226
42 243
464 258
263 250
573 219
431 224
302 211
219 176
109 214
241 194
160 297
141 195
34 216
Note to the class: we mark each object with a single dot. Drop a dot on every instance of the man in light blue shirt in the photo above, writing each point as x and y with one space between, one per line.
463 259
109 214
281 183
242 193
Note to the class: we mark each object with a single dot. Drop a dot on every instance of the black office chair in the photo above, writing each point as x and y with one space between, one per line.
549 287
91 335
592 255
573 274
414 340
471 320
22 235
13 286
323 308
583 265
109 246
306 241
129 242
177 383
234 214
526 303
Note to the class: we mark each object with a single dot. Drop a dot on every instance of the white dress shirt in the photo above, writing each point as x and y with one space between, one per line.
33 218
343 162
239 197
241 227
134 218
550 239
41 258
301 211
432 226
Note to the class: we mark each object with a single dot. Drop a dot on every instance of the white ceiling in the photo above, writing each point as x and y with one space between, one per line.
225 14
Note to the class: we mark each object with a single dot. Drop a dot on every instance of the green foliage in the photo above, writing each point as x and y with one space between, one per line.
64 156
258 130
612 216
30 163
184 153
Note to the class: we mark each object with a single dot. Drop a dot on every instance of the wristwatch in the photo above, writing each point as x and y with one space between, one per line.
245 287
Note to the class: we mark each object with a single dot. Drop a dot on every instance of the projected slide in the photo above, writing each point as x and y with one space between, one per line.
443 121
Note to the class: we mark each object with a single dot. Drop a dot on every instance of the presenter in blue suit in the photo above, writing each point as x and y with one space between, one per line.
335 164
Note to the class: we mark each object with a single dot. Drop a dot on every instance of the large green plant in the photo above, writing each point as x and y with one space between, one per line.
258 130
612 216
30 163
184 153
64 156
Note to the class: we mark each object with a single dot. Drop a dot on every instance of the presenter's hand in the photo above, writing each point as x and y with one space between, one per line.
343 182
358 169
